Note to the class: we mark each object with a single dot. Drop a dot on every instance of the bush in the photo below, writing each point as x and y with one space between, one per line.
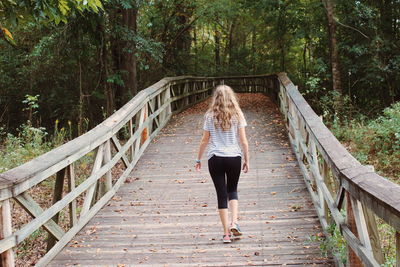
375 142
29 143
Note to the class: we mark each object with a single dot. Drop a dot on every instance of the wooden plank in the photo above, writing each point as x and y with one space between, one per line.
362 229
107 158
57 195
90 193
374 235
139 123
397 248
353 258
73 218
7 257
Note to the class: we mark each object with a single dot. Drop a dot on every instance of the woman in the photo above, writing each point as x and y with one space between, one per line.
224 129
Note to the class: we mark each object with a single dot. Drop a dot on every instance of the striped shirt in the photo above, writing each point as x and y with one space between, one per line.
223 143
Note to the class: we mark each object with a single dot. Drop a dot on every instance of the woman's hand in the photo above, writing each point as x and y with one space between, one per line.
198 166
245 167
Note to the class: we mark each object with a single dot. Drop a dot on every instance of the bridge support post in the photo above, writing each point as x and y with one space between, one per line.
58 190
73 218
352 258
7 257
397 249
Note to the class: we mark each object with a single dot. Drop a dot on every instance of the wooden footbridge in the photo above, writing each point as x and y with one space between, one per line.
126 193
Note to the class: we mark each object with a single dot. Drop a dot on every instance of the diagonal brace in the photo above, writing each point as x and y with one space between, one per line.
30 205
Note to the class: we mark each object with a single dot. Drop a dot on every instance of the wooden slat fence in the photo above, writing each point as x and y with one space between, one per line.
343 191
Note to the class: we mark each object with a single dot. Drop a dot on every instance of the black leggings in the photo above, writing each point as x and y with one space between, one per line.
218 167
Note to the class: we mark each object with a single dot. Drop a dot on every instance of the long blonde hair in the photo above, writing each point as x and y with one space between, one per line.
224 107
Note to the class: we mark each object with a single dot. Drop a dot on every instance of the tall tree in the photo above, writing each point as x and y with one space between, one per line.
336 76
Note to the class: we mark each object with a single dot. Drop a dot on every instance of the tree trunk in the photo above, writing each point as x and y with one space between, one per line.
123 55
129 60
337 85
282 30
253 50
217 51
116 55
231 44
196 51
104 65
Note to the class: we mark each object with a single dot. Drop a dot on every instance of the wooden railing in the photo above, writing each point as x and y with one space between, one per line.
338 182
141 119
332 175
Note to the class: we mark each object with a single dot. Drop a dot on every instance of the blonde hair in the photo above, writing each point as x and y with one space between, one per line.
224 108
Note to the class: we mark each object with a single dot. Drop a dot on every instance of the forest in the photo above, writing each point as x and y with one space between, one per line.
66 65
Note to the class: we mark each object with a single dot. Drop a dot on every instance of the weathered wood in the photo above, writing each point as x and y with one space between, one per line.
57 195
367 189
7 257
30 205
73 218
373 235
118 147
139 123
91 191
361 224
309 138
107 158
397 249
149 220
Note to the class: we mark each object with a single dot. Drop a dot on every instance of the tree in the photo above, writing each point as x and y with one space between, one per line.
336 76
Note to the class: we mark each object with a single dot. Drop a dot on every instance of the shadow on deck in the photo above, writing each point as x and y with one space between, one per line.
166 214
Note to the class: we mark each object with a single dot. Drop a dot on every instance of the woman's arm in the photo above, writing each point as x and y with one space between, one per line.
203 144
245 147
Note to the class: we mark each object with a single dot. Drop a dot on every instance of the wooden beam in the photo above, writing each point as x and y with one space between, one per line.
107 158
7 257
90 192
362 229
352 258
373 235
30 205
58 190
73 218
118 147
397 248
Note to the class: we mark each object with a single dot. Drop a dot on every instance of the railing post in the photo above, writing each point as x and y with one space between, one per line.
167 97
352 258
107 158
58 190
132 148
373 235
7 257
397 249
73 218
145 132
139 120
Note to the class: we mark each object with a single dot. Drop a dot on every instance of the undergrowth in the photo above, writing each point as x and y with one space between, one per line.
375 142
28 143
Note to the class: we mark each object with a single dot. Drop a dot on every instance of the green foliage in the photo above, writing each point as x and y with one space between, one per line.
375 142
333 244
46 10
18 149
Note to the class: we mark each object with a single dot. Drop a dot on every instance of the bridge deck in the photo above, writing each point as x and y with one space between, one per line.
165 215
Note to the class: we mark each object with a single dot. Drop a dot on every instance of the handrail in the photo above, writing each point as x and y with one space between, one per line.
333 177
